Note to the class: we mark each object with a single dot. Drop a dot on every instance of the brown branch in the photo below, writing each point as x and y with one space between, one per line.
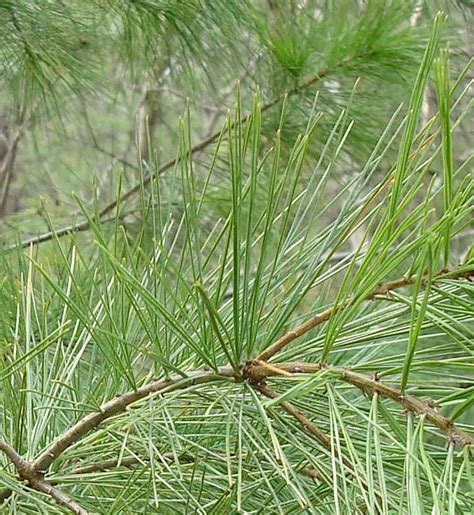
258 373
8 161
255 372
83 226
106 465
4 494
7 164
118 405
21 465
47 236
310 426
102 466
129 461
324 316
6 170
34 472
410 403
35 480
60 497
126 462
311 472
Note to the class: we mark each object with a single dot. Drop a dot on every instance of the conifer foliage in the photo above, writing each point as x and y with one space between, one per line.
267 308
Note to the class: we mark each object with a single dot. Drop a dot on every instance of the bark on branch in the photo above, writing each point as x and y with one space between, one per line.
118 405
60 497
255 372
36 481
34 472
259 371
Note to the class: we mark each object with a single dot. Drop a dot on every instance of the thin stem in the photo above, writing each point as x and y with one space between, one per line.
381 289
46 236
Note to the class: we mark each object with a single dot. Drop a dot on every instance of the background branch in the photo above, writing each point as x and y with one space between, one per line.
83 226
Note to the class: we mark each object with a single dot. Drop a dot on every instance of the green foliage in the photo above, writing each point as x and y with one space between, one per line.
255 328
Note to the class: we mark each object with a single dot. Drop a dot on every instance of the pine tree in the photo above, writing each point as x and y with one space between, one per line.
267 307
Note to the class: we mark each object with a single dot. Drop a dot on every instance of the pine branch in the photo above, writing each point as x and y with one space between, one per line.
7 165
381 289
102 466
60 497
36 470
6 170
47 236
21 465
255 373
259 371
310 426
129 461
35 480
119 404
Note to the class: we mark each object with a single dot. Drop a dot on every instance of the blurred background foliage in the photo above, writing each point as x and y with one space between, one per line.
99 86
